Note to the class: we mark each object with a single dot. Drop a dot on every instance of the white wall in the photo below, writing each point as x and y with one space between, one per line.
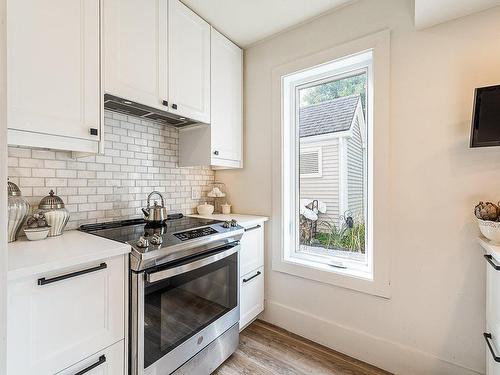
3 190
434 321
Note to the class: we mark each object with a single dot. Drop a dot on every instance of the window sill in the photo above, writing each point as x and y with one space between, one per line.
358 280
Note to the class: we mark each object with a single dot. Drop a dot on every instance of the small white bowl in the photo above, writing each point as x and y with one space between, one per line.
36 234
490 229
205 209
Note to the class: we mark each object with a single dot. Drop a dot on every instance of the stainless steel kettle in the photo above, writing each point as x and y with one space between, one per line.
155 213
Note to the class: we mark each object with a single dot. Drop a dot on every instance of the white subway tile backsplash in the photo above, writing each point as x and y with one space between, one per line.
140 156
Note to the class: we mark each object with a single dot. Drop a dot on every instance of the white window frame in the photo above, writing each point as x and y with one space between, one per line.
319 151
377 280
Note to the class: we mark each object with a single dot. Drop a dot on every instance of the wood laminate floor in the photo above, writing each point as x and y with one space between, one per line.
266 349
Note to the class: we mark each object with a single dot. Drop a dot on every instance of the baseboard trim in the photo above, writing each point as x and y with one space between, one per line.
385 354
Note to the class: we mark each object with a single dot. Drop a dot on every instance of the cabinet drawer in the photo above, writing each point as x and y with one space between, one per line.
251 296
55 320
492 292
252 249
110 361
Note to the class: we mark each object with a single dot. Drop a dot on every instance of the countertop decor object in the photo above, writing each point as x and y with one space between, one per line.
56 215
225 208
18 208
38 233
217 191
490 230
205 209
37 227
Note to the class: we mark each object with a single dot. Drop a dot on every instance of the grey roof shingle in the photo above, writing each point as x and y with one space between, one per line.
327 117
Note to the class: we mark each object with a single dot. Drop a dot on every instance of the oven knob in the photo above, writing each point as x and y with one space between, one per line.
156 239
142 242
227 224
234 223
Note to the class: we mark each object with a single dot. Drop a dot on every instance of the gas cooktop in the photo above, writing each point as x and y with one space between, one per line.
176 238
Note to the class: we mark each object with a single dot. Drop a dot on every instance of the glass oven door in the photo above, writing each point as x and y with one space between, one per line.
187 305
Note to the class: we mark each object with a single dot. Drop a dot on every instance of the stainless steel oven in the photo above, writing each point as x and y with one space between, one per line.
184 315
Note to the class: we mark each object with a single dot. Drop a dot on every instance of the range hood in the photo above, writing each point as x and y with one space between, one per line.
128 107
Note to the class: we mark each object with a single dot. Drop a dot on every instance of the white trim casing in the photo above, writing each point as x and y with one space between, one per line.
3 189
378 167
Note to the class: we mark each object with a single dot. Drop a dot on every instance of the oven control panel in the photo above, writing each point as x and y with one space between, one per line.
195 233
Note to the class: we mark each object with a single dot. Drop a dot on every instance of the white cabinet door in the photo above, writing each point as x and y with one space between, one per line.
251 296
110 361
493 313
226 96
55 325
252 249
135 50
53 57
189 63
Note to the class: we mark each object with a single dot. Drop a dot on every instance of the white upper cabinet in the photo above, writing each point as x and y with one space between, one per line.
135 50
188 63
220 144
226 95
53 82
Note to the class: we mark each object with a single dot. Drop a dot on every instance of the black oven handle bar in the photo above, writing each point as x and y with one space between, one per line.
165 274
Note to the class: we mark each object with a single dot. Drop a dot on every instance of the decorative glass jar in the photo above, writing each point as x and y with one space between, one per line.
56 215
18 209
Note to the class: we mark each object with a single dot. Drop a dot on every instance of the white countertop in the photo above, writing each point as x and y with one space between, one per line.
244 220
28 258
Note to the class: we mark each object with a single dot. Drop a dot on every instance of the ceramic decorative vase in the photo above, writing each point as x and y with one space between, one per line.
56 215
18 209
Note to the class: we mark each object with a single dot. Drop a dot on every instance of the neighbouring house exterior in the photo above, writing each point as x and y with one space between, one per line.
333 155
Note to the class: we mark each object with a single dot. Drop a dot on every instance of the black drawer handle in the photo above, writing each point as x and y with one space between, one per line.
253 277
101 360
489 258
487 337
252 228
174 106
44 281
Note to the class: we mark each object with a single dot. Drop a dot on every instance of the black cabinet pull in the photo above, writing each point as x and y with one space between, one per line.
174 106
487 337
44 281
489 258
165 103
216 152
101 360
252 228
94 131
253 277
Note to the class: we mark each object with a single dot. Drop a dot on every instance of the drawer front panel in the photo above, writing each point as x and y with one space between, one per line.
252 249
110 361
251 296
58 319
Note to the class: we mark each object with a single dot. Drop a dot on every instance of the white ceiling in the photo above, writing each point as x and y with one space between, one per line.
248 21
432 12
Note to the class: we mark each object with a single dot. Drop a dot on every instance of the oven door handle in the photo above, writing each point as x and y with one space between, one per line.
165 274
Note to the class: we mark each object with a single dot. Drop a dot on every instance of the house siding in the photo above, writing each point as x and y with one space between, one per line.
355 172
325 188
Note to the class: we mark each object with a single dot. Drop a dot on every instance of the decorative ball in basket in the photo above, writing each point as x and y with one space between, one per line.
488 219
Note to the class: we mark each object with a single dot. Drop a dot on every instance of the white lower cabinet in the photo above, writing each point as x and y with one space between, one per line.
251 274
252 296
58 319
110 361
492 334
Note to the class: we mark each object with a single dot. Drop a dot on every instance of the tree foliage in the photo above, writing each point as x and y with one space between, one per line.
355 85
